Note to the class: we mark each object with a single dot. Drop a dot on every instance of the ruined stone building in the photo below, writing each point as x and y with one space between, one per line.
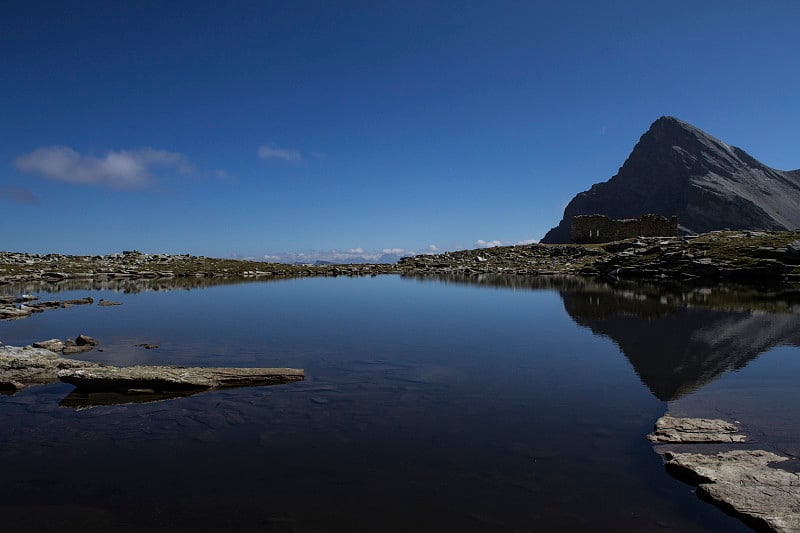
586 229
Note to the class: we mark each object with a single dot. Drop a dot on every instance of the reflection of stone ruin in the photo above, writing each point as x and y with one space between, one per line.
600 228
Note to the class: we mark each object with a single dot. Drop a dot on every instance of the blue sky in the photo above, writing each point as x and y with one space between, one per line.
348 128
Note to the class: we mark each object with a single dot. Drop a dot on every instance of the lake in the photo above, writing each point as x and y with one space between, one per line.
503 404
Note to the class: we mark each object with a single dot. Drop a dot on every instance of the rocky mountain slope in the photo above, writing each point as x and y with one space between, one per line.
677 169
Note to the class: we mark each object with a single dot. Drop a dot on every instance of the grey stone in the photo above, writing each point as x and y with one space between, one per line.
166 378
107 303
72 349
12 313
85 340
80 301
22 367
54 345
742 483
99 384
694 430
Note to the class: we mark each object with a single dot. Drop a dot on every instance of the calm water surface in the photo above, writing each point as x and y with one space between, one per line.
427 406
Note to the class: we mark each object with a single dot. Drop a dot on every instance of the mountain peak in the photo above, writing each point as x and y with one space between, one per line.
678 169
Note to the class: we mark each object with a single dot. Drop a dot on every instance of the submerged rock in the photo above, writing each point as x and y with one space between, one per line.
81 301
72 347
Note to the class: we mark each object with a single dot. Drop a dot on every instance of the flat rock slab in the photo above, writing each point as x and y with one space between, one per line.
173 378
742 483
22 367
54 345
12 313
694 430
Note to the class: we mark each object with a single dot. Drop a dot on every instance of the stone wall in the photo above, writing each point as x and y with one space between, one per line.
587 229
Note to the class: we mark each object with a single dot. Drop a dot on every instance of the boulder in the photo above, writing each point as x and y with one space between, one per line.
85 340
11 313
743 483
54 345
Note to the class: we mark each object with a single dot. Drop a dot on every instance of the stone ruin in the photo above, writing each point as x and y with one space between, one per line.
588 229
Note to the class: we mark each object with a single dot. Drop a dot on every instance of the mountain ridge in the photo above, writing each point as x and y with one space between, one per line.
678 169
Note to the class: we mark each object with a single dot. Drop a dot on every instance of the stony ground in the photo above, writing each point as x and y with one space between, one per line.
741 256
133 265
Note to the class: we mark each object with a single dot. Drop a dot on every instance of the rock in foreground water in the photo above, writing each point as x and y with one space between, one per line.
23 367
693 430
742 483
173 378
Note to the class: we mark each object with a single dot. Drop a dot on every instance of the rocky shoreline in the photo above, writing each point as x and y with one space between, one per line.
16 267
738 256
733 256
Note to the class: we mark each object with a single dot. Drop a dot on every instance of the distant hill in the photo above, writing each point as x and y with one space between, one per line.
677 169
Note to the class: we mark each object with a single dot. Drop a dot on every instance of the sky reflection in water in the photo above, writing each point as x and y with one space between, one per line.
427 405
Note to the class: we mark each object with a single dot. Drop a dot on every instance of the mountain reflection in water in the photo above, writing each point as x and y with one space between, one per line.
677 338
426 407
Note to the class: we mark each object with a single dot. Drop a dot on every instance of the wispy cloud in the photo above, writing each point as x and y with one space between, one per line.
350 255
480 243
17 195
124 169
268 151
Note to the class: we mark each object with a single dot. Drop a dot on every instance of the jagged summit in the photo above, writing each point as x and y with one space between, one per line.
678 169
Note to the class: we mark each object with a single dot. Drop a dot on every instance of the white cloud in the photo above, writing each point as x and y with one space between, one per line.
124 169
480 243
433 248
351 255
273 152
